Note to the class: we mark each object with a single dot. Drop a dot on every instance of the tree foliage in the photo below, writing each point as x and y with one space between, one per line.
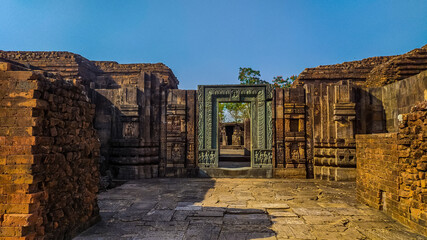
279 82
237 112
250 76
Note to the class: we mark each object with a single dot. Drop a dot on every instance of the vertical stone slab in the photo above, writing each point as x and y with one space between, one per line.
292 133
334 149
163 133
191 103
247 135
309 129
181 133
279 129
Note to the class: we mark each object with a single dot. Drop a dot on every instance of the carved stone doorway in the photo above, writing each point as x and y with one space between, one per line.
260 99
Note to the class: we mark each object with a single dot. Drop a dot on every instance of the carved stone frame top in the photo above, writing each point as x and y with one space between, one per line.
259 97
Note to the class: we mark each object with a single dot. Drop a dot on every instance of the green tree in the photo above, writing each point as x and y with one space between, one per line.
279 82
221 112
238 111
250 76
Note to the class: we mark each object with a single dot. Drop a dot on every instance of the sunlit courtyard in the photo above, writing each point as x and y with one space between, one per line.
235 209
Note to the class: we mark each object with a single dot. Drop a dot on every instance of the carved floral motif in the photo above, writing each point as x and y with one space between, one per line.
260 98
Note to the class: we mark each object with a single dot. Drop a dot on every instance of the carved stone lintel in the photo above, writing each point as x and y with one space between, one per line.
261 123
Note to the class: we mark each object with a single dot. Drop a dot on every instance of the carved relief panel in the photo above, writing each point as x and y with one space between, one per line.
259 97
333 118
290 132
180 135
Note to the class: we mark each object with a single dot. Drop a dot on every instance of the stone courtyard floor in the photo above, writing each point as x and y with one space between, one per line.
224 208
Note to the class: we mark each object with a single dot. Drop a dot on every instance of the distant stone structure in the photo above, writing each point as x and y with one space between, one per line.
232 135
55 106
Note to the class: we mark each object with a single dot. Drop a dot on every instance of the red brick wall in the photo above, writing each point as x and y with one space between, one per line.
391 170
377 164
48 157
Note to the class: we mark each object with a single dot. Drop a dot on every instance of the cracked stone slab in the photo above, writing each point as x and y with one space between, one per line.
275 214
312 211
203 231
188 206
158 215
146 209
267 205
261 219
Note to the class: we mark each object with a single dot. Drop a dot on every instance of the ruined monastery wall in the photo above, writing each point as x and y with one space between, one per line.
391 170
291 155
393 99
130 107
48 157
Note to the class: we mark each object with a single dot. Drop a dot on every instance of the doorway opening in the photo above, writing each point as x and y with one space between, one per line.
234 131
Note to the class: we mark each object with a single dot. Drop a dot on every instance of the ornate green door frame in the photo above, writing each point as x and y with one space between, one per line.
260 99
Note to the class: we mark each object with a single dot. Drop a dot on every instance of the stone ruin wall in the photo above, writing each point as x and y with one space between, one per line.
380 107
49 154
131 110
390 166
391 170
127 97
355 71
332 117
291 155
364 109
69 65
147 126
369 72
398 68
180 144
138 114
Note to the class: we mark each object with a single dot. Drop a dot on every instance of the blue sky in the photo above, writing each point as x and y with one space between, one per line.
205 42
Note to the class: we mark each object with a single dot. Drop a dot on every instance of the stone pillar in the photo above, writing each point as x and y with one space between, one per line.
247 135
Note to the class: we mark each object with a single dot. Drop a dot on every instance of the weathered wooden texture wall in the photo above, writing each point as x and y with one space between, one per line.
289 134
392 167
48 157
181 134
332 115
380 107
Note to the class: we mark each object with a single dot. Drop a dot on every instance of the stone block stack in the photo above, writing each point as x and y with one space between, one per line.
48 156
413 168
377 170
398 68
391 170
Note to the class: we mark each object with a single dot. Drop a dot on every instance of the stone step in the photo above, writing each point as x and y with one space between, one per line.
234 158
244 172
234 164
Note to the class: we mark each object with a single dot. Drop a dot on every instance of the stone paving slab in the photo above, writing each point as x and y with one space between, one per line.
236 209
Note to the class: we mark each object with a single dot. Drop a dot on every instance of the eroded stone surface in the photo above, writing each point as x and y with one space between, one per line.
206 209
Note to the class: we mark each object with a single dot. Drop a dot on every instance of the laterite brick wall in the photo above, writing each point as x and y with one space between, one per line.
391 170
48 157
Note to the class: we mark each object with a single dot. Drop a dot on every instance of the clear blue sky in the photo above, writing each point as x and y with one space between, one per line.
205 42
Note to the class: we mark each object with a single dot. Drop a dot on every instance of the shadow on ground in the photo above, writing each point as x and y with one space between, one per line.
165 209
236 209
